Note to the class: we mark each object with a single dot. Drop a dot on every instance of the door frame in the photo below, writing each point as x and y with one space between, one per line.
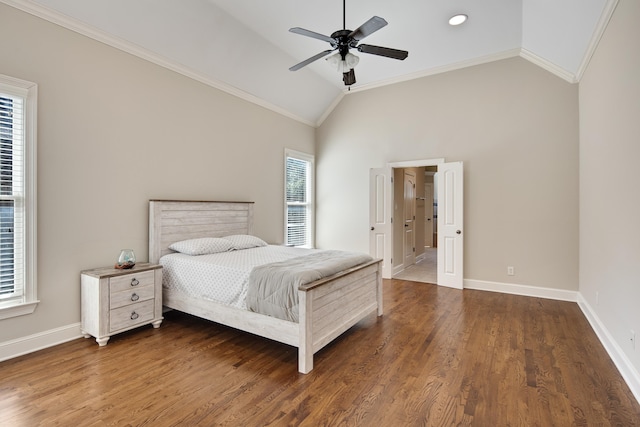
390 200
412 164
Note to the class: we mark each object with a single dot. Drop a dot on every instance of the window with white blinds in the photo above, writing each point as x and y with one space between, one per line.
299 175
17 198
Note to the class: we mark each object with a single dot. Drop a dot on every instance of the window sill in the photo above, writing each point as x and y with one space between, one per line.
18 309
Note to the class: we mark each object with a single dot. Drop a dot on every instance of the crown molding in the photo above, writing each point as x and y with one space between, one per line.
512 53
605 17
547 65
438 70
80 27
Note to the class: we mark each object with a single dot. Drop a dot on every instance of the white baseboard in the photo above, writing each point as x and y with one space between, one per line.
525 290
629 373
39 341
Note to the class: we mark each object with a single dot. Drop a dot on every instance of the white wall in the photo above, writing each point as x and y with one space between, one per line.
515 127
609 180
115 131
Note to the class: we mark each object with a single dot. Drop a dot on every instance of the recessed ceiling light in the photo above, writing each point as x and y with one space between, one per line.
458 19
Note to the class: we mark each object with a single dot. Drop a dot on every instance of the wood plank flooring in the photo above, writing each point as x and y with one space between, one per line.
438 357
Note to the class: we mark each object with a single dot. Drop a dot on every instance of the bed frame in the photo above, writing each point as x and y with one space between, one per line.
328 307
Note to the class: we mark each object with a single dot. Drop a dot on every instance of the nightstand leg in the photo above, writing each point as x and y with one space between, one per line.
102 341
157 323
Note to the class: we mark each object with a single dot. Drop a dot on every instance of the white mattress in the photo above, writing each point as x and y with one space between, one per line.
192 274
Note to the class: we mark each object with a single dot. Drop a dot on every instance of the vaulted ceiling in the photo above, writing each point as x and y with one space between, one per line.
244 46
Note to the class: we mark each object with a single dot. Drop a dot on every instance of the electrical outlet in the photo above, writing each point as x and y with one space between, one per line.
511 271
632 335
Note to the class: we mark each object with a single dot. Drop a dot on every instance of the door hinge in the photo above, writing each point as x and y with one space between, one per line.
414 249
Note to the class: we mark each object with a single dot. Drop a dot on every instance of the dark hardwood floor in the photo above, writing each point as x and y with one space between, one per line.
438 357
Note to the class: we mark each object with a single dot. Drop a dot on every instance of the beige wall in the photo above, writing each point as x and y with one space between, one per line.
515 127
609 179
115 131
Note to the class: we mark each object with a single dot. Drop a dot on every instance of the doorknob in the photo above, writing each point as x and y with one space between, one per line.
372 228
458 232
406 225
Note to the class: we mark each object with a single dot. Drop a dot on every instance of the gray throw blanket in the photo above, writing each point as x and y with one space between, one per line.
273 288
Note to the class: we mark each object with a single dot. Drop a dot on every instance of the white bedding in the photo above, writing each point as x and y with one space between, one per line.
192 274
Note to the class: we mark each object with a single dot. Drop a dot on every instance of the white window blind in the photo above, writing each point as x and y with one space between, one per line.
298 199
11 196
17 195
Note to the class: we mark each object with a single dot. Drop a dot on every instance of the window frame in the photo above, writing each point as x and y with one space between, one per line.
310 203
27 302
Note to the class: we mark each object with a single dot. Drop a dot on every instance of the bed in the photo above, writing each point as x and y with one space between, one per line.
326 307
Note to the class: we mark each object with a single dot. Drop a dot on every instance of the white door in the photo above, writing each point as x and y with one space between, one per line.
450 219
380 208
409 219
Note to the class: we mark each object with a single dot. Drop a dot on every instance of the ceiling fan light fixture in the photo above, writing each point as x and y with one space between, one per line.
458 19
349 63
351 60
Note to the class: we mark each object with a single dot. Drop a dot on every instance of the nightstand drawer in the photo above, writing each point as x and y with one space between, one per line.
130 315
131 296
131 281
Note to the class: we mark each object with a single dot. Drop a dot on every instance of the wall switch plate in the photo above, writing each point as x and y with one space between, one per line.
511 271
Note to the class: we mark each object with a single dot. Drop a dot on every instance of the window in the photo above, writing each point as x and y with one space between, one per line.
17 197
298 190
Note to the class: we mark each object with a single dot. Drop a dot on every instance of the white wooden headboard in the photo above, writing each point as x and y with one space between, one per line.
175 220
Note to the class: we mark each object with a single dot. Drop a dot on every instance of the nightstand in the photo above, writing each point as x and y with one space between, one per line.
115 301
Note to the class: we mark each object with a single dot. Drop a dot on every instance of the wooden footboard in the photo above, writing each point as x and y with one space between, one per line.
330 306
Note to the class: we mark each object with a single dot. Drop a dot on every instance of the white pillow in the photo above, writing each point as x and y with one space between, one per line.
202 246
245 241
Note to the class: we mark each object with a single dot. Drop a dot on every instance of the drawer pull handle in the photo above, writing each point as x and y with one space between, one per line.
135 282
135 297
134 315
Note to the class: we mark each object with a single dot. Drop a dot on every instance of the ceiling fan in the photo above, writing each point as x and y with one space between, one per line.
344 40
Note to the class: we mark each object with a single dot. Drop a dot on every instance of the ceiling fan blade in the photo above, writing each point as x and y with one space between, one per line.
369 27
383 51
303 32
310 60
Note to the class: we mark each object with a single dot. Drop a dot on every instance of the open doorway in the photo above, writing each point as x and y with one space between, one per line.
385 238
416 203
